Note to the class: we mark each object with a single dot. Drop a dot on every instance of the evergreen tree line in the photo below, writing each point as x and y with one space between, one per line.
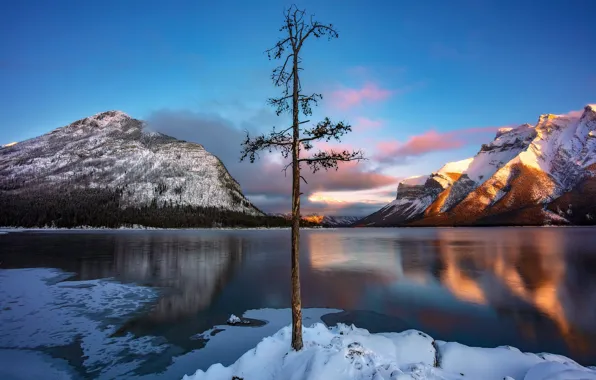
69 208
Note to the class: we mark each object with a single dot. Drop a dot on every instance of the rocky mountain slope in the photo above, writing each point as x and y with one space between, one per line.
115 153
529 175
417 194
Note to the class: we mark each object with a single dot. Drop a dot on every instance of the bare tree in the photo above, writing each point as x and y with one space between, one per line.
293 140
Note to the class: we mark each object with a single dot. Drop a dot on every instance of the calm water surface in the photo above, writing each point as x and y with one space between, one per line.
533 288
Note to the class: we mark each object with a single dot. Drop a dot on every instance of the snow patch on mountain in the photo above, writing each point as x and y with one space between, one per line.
496 154
418 180
457 166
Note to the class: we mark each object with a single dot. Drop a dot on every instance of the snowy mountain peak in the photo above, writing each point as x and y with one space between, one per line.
104 119
589 112
527 167
114 152
417 180
547 116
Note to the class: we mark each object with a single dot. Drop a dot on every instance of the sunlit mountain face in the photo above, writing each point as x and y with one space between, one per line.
537 174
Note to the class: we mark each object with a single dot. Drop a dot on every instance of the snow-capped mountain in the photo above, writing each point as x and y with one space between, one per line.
339 221
416 194
324 220
533 174
113 151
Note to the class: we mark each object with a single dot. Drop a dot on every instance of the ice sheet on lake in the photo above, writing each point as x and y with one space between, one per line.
40 311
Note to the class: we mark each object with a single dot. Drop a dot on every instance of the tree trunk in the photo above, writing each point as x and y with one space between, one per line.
296 300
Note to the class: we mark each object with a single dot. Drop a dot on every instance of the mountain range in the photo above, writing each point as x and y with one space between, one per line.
537 174
110 170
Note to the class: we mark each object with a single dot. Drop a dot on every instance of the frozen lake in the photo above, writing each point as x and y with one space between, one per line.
153 304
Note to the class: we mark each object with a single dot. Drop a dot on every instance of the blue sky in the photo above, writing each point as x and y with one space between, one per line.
443 66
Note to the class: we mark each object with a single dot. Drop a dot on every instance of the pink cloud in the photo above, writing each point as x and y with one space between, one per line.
366 124
431 141
417 145
351 97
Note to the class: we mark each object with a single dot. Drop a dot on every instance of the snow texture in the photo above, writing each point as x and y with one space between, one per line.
113 150
456 166
415 181
234 320
347 352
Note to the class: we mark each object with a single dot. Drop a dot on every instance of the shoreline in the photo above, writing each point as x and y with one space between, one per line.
7 229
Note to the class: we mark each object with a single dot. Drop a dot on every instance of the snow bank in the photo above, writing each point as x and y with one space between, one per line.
347 352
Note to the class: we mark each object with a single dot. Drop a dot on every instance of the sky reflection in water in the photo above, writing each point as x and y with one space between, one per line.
534 288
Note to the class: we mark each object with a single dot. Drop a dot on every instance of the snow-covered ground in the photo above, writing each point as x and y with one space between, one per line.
346 352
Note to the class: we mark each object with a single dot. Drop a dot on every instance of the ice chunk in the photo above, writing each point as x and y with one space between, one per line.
234 320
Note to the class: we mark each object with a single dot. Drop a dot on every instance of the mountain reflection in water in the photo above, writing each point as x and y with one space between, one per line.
534 288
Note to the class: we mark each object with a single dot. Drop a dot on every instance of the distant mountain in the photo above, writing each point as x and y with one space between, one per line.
530 175
113 158
339 221
324 220
416 194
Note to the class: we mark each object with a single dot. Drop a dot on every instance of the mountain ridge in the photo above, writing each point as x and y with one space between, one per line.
114 158
520 178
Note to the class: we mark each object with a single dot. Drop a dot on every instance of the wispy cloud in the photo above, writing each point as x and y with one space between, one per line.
366 124
430 141
351 97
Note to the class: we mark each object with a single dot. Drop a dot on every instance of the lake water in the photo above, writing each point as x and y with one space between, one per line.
143 304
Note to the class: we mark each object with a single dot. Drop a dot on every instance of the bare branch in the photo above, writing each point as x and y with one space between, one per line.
281 141
285 168
281 71
305 103
330 159
326 130
277 51
318 30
